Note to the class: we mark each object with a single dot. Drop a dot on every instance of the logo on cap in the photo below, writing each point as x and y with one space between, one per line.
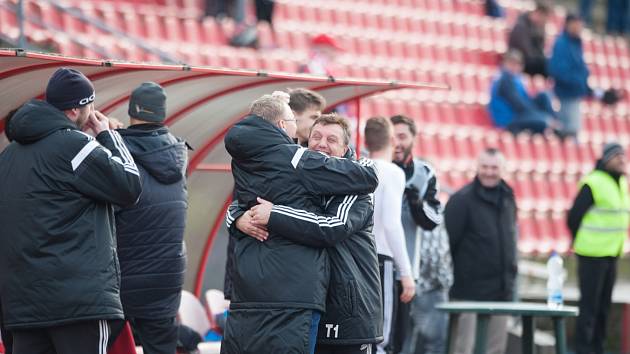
87 100
142 110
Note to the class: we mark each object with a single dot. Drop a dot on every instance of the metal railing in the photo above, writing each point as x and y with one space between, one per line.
22 17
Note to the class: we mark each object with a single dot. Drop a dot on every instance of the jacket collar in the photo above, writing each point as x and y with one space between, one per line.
492 195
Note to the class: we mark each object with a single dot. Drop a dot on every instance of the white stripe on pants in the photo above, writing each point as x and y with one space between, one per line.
103 327
388 304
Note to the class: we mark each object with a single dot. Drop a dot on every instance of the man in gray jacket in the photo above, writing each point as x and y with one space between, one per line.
420 325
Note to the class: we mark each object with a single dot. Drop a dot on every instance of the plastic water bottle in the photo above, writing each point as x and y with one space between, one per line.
555 279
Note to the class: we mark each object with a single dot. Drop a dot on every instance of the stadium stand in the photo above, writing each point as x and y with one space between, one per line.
407 40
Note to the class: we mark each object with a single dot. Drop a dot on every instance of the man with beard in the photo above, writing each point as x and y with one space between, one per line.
420 324
58 185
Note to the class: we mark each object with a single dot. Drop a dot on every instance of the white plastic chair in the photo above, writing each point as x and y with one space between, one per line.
216 303
192 314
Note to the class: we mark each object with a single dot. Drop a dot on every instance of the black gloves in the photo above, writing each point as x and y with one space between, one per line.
413 196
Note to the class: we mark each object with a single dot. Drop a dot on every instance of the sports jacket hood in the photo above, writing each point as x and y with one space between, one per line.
36 120
161 154
253 135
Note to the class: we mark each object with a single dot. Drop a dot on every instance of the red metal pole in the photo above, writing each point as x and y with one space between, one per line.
203 261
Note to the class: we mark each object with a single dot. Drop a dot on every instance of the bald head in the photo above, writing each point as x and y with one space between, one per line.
490 167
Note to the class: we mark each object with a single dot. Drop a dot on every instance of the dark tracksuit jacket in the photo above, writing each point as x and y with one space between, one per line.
151 233
277 275
57 246
353 304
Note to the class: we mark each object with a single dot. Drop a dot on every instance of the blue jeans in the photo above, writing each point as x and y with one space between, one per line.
535 120
570 116
428 326
312 337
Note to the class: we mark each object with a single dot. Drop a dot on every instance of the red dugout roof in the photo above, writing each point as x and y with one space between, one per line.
202 104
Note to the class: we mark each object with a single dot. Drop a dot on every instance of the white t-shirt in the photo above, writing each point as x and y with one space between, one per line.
388 229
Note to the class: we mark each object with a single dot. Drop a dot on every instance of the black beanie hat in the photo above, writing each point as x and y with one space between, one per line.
148 103
69 88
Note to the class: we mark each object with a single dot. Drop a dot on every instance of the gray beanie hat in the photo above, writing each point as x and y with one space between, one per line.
148 103
611 150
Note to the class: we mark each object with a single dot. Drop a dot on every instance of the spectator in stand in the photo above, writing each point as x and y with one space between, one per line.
324 52
528 37
586 11
231 8
481 219
58 188
307 106
388 229
599 222
264 13
570 74
493 9
511 107
617 20
150 234
420 327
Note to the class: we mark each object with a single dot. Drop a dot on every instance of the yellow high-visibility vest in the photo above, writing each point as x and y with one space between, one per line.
604 227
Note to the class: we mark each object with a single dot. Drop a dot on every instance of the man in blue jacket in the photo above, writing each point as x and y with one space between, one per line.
570 73
150 233
511 107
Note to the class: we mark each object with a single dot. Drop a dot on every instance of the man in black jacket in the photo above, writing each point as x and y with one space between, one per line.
150 234
481 220
280 286
60 279
528 37
353 319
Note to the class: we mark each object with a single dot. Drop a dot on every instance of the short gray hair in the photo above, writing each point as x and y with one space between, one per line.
269 108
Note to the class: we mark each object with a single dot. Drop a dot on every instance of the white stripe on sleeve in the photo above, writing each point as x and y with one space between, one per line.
81 155
298 155
341 218
229 219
